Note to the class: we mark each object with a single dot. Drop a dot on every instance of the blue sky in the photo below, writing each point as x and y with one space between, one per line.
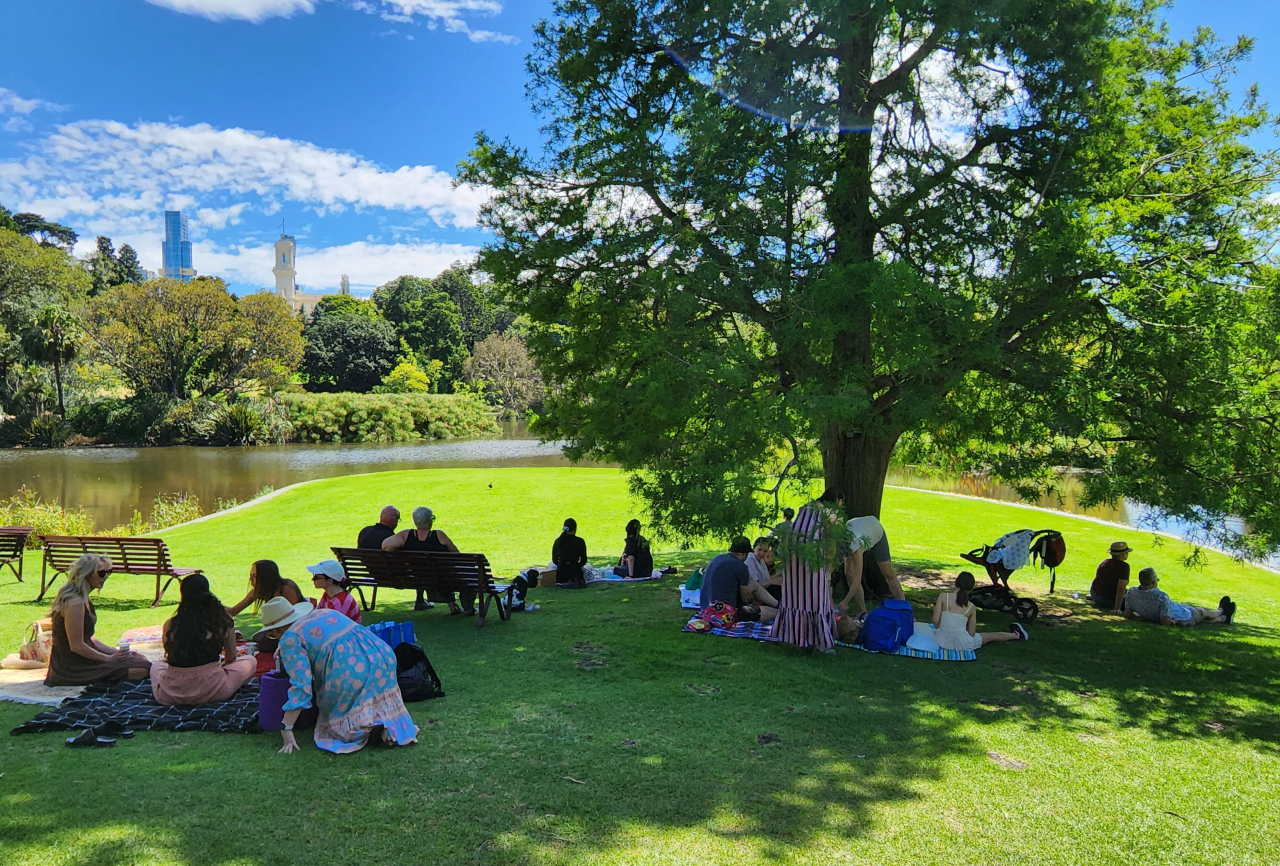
343 118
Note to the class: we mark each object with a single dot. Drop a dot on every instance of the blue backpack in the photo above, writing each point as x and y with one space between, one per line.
888 627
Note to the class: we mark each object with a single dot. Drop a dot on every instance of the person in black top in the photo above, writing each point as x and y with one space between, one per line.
569 553
637 560
371 537
426 539
200 664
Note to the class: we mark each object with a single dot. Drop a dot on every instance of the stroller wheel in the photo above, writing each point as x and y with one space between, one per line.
1026 610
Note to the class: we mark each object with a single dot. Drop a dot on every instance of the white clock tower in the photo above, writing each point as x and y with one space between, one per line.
285 270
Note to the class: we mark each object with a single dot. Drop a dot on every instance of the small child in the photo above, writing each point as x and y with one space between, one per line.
330 578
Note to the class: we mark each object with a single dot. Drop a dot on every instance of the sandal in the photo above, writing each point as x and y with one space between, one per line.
112 728
88 738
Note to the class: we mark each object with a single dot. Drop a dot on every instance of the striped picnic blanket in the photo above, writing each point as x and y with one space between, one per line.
942 655
752 630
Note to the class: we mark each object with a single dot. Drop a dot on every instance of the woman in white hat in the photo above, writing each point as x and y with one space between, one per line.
331 579
341 669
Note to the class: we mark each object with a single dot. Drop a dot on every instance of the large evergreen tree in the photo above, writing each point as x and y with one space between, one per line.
1026 235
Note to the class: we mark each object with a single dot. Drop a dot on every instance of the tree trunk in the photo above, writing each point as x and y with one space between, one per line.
57 377
856 464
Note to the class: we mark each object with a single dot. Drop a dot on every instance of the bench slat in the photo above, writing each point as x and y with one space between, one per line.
139 556
444 572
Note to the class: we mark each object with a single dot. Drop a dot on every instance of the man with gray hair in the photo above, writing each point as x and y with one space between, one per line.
1147 601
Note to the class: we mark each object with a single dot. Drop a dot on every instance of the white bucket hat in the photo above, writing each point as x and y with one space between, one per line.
278 612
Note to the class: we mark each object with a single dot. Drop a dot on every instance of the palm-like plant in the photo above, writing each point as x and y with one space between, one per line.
53 338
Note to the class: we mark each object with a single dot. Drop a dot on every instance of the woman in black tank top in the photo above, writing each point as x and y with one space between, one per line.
428 540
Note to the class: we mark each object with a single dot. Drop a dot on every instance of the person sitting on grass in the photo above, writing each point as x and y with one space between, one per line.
955 620
266 583
77 658
867 537
1111 580
637 559
345 671
569 553
200 664
331 579
424 539
727 580
1147 601
784 525
763 585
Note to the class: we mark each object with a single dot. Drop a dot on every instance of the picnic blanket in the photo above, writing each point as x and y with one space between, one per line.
132 705
27 687
753 630
939 655
606 574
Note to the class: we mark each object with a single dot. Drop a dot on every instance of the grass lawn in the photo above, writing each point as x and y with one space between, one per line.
1100 741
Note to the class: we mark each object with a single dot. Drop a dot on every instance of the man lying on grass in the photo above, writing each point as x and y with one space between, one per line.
1147 601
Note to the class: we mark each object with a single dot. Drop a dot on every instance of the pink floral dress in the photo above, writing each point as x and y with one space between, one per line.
349 675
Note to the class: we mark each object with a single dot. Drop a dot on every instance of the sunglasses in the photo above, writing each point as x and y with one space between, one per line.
103 572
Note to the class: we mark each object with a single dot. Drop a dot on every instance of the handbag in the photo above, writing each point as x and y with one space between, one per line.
37 641
415 676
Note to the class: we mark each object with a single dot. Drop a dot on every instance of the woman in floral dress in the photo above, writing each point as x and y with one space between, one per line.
343 670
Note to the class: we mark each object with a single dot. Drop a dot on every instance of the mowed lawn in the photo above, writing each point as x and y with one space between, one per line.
594 732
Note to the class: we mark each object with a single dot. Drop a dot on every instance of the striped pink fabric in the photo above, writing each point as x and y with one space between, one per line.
806 614
343 603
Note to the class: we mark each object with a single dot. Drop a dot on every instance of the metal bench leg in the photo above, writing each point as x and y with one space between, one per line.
484 609
160 592
44 586
363 604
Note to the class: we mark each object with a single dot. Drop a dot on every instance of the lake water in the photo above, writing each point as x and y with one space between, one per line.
109 483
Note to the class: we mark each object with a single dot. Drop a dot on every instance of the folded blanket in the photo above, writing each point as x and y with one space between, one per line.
132 705
608 575
941 655
753 630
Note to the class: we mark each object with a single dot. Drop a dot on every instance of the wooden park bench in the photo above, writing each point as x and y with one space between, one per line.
442 572
127 555
13 543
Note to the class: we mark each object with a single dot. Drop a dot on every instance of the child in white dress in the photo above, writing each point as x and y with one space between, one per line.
955 620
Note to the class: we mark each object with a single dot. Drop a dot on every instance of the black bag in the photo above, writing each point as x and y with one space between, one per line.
415 675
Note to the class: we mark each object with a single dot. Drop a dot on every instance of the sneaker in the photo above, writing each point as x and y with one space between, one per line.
531 606
1020 630
515 606
422 605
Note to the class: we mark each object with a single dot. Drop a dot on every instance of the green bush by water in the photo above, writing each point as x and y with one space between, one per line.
348 417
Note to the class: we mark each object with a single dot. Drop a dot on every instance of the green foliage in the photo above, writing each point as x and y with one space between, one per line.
1075 273
53 338
407 378
346 352
500 367
25 508
6 220
385 418
345 305
46 232
130 269
170 509
46 430
426 318
480 315
194 339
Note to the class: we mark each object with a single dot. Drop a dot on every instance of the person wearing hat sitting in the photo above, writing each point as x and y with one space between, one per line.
331 579
1147 601
343 670
1111 580
200 664
727 579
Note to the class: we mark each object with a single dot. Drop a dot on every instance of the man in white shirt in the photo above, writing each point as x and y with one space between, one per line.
867 535
758 562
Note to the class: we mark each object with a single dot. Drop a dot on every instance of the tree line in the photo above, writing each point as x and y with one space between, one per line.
92 351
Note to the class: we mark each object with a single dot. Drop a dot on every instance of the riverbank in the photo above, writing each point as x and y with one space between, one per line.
651 752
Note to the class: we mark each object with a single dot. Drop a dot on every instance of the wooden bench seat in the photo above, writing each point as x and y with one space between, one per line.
144 556
13 543
428 571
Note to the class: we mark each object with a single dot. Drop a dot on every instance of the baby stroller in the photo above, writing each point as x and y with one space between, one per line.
1010 552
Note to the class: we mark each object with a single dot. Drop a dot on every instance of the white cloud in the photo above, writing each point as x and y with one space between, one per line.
15 105
368 264
117 174
246 10
449 14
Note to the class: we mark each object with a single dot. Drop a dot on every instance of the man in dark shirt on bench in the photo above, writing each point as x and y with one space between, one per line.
371 538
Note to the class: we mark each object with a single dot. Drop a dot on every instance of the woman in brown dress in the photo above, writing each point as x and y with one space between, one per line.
77 657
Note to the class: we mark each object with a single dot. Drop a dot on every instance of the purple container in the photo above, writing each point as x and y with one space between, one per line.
272 694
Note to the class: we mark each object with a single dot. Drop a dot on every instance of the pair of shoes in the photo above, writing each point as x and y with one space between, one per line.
1228 608
470 612
1020 630
112 728
89 738
422 605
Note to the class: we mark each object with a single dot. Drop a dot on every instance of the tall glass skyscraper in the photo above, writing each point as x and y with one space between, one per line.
177 248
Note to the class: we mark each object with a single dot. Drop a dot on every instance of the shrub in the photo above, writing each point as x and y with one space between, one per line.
46 430
25 508
170 509
346 417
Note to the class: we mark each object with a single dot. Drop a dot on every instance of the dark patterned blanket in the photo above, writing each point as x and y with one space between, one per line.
132 705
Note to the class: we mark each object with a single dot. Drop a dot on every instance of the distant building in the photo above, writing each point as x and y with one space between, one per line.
286 273
176 251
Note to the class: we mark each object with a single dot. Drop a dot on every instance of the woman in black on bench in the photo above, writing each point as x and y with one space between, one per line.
77 657
427 540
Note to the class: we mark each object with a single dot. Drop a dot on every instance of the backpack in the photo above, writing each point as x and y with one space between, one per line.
1050 549
415 675
888 627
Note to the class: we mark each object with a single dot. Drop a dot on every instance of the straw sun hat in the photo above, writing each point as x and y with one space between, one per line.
278 613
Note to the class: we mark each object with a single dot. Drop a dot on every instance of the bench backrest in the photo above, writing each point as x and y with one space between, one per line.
128 555
410 569
13 539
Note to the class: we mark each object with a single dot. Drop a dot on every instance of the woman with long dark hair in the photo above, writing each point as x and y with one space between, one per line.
637 559
266 583
200 664
955 620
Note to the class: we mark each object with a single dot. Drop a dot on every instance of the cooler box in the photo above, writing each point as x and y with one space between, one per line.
691 598
547 577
